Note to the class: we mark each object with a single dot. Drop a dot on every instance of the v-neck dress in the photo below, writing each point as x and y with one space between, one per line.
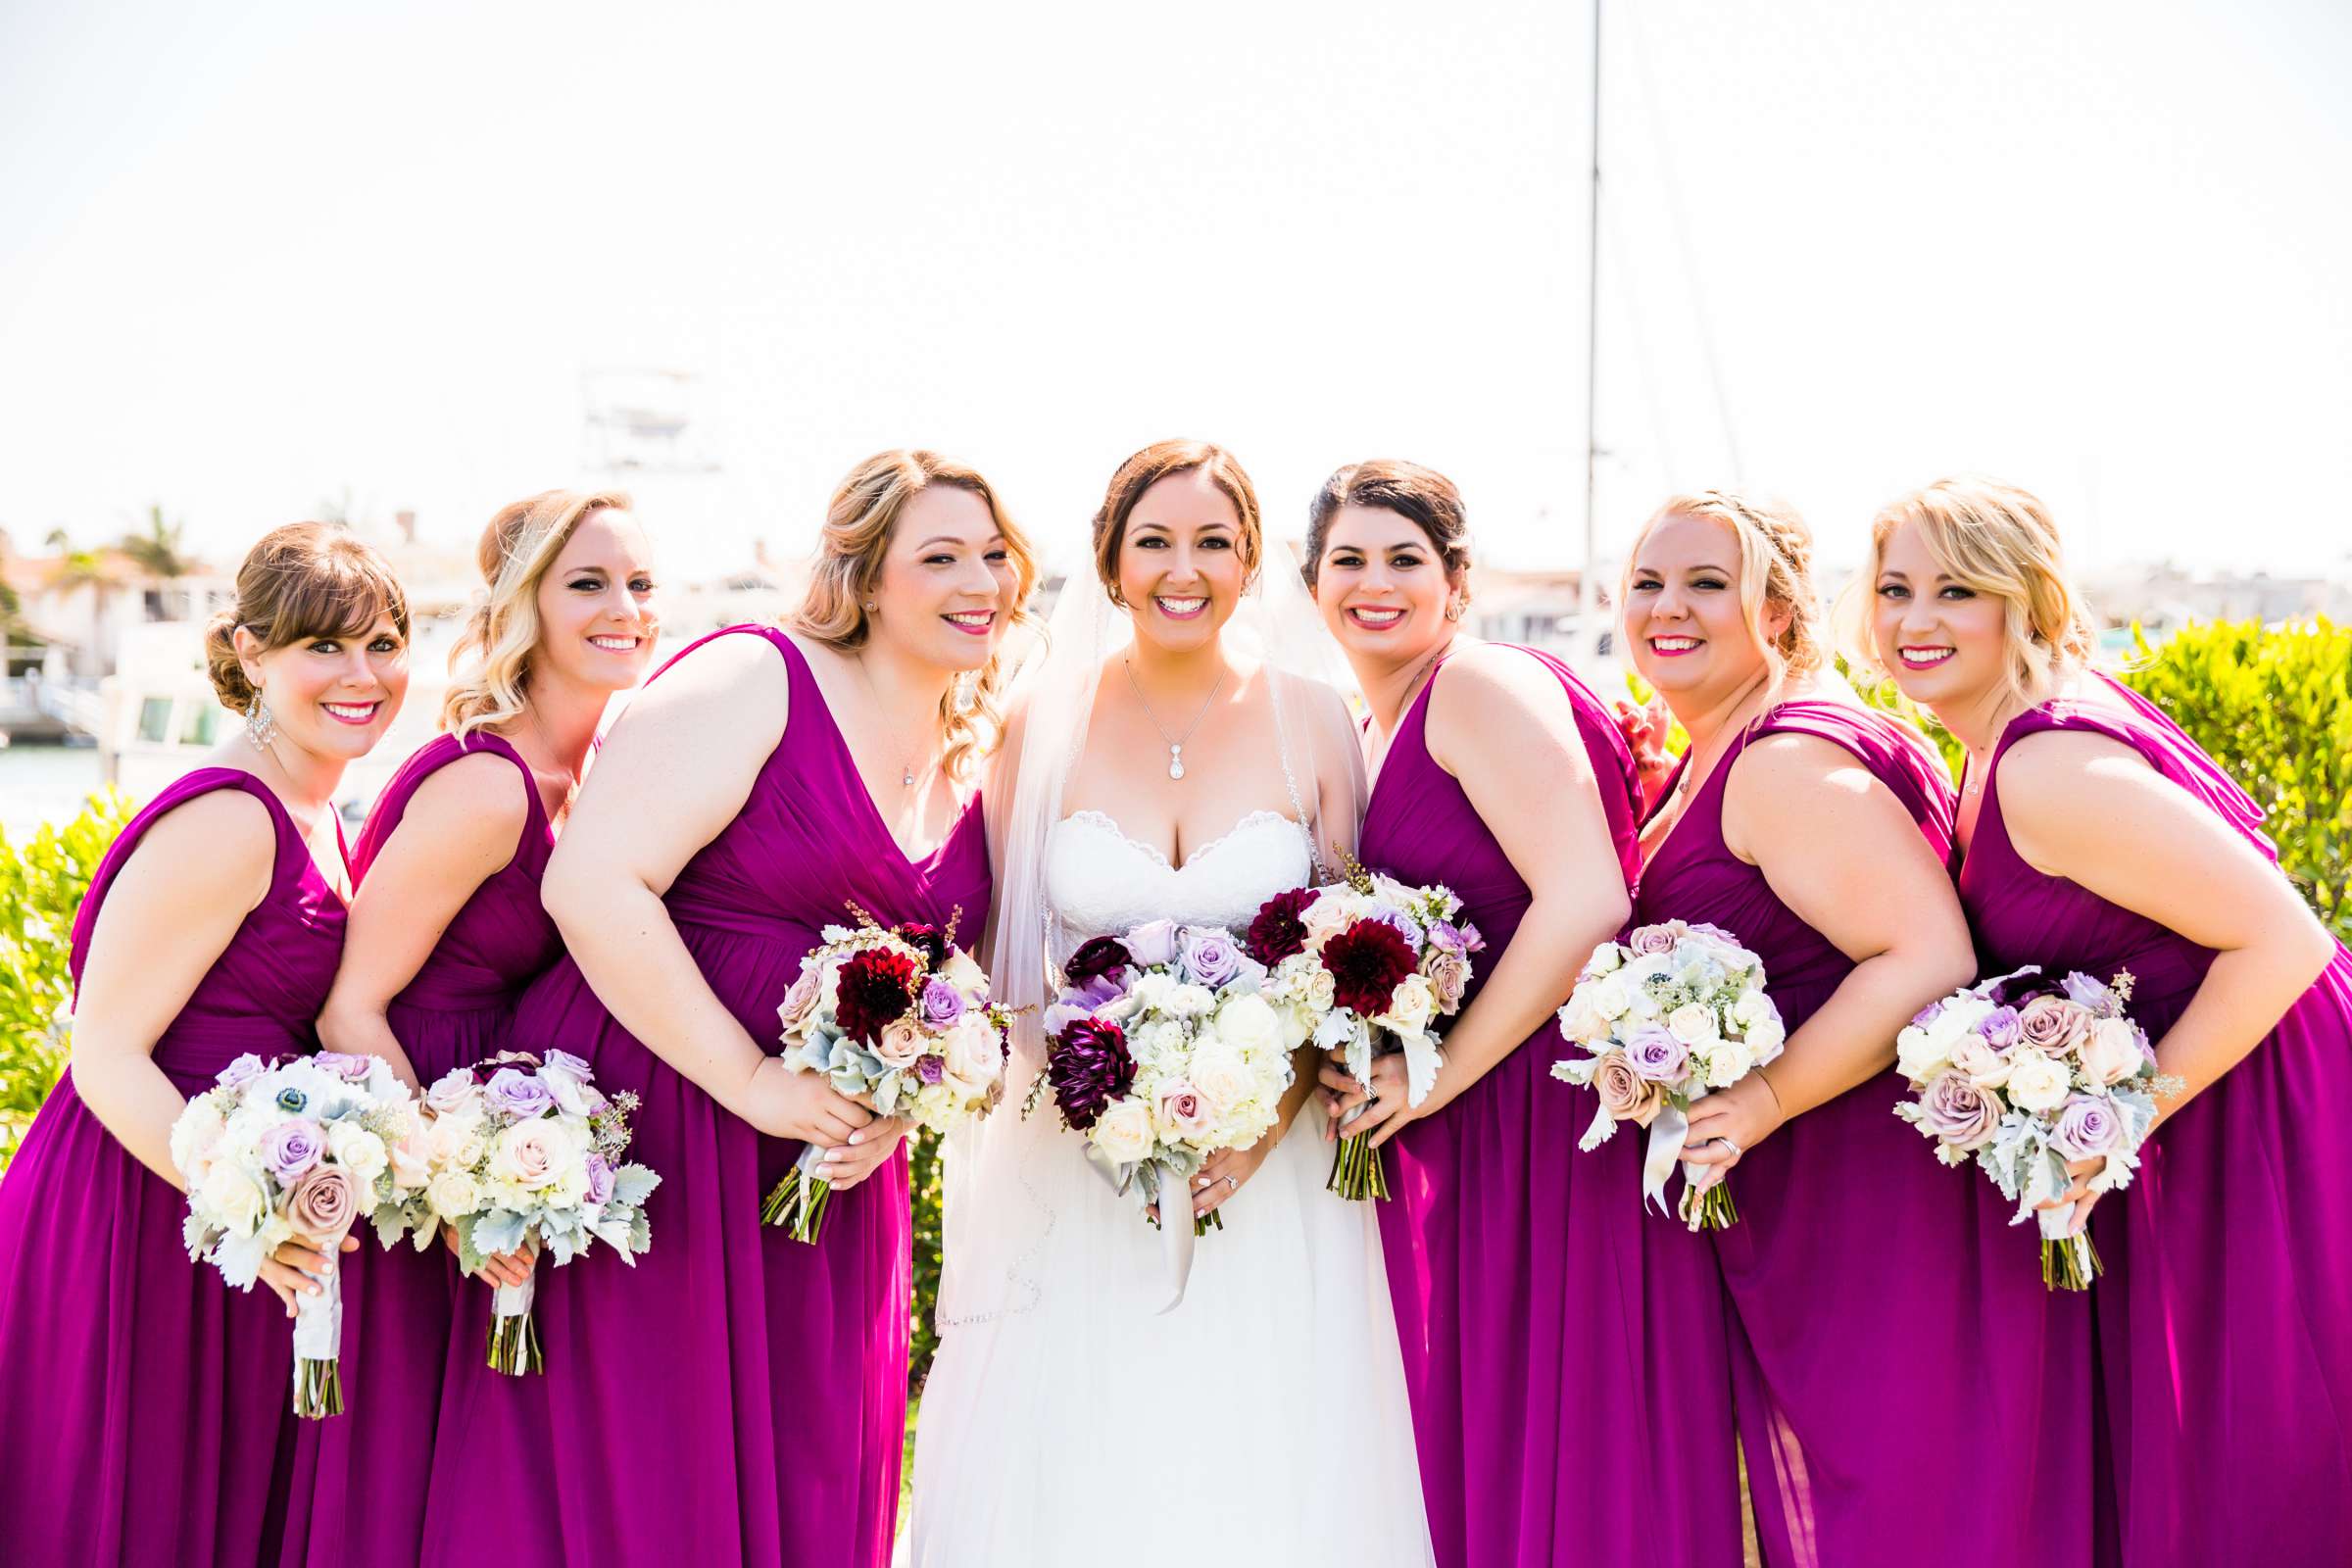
737 1396
150 1405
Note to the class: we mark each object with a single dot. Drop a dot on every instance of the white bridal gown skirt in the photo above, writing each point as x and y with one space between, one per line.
1263 1421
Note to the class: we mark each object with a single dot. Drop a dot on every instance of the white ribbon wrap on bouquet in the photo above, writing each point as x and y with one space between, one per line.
1175 1231
2054 1221
1667 1133
319 1319
515 1301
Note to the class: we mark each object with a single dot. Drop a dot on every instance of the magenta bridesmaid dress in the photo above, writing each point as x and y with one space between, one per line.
358 1487
737 1396
2225 1318
1565 1360
150 1405
1908 1389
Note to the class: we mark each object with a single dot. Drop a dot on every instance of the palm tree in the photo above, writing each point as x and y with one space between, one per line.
157 550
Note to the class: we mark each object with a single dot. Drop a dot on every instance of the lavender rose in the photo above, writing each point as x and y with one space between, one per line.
291 1148
1654 1053
1152 943
1625 1094
1927 1015
2052 1026
342 1065
322 1205
931 1069
799 1003
1958 1112
1210 956
2000 1029
599 1180
2084 991
242 1071
2088 1127
1652 939
942 1003
512 1093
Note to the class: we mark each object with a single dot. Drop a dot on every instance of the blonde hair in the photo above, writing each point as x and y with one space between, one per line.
1996 539
859 523
1776 571
301 582
519 549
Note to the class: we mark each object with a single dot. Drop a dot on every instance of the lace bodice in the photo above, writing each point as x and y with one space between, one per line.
1099 881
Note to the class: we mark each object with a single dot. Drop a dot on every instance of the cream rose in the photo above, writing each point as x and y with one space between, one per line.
195 1135
1606 959
1248 1022
235 1199
2037 1082
1224 1080
1579 1020
453 1193
533 1154
1411 1006
902 1044
1123 1132
2113 1051
358 1151
975 1056
1691 1024
1984 1068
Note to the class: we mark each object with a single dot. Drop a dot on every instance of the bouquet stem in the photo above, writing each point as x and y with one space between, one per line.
317 1341
799 1201
1712 1209
1357 1172
1202 1224
2070 1263
514 1336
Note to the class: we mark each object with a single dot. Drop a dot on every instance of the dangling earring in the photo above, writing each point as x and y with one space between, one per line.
261 725
965 691
1453 609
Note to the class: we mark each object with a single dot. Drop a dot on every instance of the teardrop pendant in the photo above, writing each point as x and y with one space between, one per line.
1175 762
906 779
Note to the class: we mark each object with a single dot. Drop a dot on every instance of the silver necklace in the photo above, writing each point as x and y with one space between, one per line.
571 780
906 768
1176 746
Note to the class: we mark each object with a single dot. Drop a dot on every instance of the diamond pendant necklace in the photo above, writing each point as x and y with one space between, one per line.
906 768
1176 746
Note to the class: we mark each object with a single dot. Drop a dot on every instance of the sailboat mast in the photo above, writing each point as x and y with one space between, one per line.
1587 597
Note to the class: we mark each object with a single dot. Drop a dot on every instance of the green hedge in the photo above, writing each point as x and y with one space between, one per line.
2273 704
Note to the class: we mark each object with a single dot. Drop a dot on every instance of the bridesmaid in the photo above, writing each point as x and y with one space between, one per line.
150 1405
1907 1390
445 933
2099 838
738 1396
1562 1357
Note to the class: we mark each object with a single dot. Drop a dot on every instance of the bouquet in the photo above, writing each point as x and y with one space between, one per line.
1164 1046
899 1019
1375 964
299 1150
528 1150
1669 1013
2022 1075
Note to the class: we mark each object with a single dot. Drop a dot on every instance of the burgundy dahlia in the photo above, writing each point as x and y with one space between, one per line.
1088 1068
1103 955
1367 961
876 986
928 940
1278 931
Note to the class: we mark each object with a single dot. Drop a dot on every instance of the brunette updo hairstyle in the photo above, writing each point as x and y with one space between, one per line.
855 538
1423 496
304 580
1147 469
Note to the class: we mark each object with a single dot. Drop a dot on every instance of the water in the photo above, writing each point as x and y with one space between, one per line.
44 784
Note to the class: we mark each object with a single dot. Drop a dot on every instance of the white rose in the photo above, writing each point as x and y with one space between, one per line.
964 972
1579 1020
1727 1062
233 1198
1150 993
1411 1006
1611 998
1123 1133
1248 1024
358 1151
975 1056
1984 1068
195 1135
1322 991
2112 1053
1190 1000
2037 1082
1691 1024
1606 959
1752 1007
457 1139
1957 1017
1919 1056
1764 1038
1223 1079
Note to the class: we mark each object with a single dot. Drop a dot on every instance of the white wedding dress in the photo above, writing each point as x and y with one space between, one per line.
1263 1420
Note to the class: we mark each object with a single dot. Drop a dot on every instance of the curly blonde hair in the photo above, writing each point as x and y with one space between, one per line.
859 523
1776 573
1998 539
300 581
519 549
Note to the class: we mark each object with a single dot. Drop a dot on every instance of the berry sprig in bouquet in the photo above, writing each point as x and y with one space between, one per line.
898 1018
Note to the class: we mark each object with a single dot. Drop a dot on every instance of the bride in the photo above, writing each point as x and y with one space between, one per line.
1172 760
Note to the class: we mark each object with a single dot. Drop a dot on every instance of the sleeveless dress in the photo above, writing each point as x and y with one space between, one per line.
737 1396
150 1405
2225 1318
1908 1389
1564 1356
358 1484
1261 1423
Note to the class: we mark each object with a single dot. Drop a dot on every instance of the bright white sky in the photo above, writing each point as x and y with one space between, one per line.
252 262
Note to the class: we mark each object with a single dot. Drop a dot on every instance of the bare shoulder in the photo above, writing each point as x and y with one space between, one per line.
2050 780
1487 682
1789 769
2050 757
739 679
480 801
219 846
